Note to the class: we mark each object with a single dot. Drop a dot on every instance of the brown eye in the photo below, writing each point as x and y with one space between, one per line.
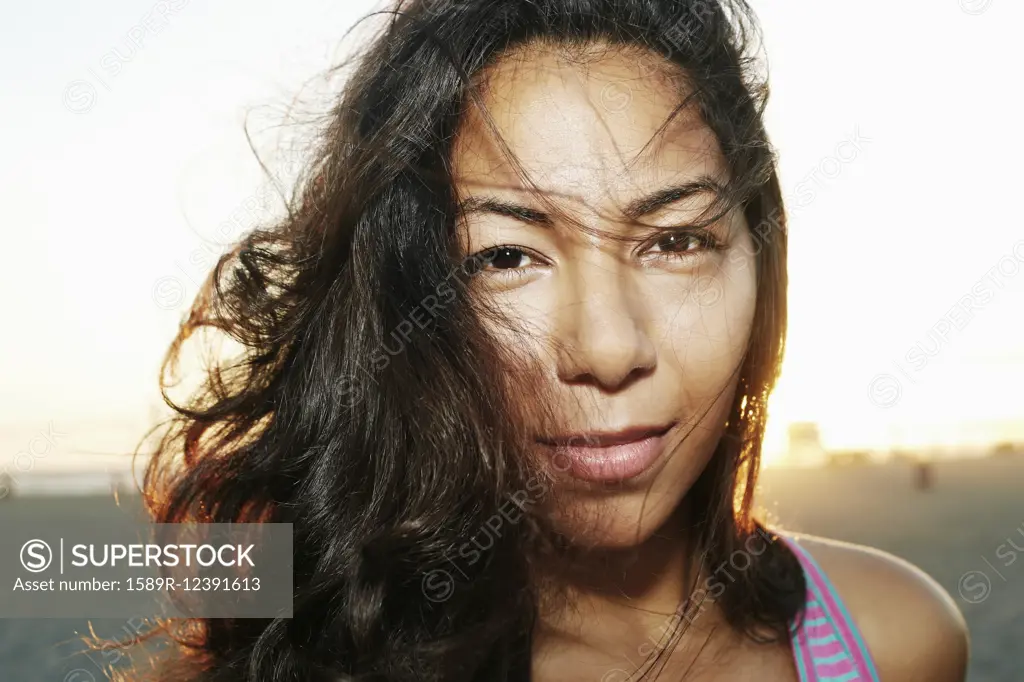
505 257
506 260
506 265
684 245
679 243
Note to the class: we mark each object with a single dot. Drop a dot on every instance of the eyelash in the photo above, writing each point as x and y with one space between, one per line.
707 242
488 255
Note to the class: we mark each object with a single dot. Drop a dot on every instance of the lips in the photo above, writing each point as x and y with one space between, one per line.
607 456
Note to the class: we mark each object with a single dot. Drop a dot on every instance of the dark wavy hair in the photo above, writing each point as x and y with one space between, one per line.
388 444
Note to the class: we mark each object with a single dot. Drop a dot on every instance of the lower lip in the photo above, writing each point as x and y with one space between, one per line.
612 463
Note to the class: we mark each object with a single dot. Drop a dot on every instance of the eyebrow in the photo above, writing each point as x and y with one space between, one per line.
635 209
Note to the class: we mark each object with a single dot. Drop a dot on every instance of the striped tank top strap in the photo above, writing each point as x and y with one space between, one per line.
827 645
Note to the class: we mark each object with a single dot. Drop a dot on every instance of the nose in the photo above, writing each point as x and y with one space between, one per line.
602 328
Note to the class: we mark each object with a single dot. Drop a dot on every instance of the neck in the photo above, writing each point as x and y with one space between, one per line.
610 599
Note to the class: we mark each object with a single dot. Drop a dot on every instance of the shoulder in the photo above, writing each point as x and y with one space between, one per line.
911 626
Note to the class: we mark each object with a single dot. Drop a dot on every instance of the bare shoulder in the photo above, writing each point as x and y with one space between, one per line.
912 627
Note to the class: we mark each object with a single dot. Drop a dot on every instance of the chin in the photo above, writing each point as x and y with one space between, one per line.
627 514
614 525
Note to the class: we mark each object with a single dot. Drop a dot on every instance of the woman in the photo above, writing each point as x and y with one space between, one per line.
505 371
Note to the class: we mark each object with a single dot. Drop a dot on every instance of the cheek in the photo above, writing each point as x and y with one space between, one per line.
522 320
526 317
706 325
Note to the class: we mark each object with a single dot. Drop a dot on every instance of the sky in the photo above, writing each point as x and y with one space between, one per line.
126 170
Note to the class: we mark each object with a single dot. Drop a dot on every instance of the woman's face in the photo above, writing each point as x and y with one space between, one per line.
641 341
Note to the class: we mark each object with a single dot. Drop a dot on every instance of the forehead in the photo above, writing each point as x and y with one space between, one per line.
598 128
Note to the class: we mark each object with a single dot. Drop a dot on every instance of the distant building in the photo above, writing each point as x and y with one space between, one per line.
1005 448
804 444
848 457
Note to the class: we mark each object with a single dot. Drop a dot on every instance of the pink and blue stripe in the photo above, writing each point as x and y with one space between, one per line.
826 644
